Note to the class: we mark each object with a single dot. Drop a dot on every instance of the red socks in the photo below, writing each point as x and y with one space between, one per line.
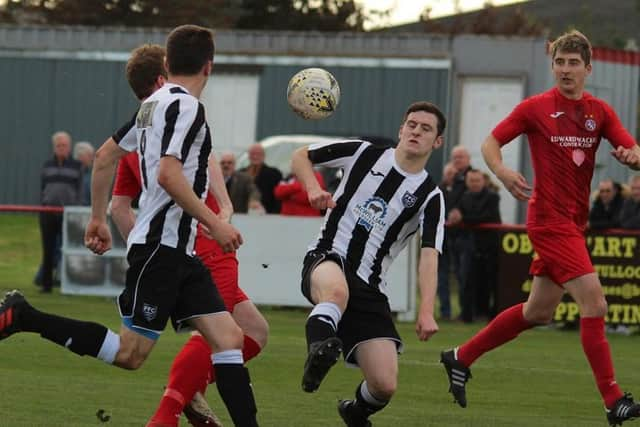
191 372
596 348
503 328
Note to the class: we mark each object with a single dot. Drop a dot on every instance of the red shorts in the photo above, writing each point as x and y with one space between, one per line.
224 272
561 252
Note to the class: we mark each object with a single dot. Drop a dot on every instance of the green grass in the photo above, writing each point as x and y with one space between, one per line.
542 379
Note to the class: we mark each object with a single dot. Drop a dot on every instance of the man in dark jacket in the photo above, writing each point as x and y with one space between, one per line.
630 215
242 191
61 185
457 243
479 205
265 177
605 211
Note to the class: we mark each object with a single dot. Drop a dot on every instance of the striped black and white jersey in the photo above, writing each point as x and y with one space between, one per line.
171 122
379 207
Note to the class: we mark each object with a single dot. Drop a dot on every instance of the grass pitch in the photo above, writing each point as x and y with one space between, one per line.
542 379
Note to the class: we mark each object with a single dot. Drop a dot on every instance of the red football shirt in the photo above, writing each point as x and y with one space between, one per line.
563 136
129 183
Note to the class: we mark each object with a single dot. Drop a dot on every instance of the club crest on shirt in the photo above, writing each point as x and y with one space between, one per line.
408 199
149 311
590 125
371 213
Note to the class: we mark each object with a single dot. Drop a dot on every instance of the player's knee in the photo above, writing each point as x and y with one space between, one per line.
539 317
339 295
598 308
130 359
260 334
383 388
233 338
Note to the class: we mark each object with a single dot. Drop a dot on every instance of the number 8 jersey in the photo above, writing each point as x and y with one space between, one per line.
171 122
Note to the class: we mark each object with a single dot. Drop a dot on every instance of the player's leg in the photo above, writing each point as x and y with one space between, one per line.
378 360
201 306
507 325
586 290
192 370
232 379
254 326
325 285
127 350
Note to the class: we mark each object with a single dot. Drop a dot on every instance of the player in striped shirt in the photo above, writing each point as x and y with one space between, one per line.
385 197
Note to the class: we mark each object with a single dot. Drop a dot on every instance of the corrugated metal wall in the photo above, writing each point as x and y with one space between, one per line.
372 100
617 84
40 96
44 93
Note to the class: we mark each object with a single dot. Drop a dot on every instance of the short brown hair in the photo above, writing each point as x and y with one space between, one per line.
572 42
144 67
429 108
189 48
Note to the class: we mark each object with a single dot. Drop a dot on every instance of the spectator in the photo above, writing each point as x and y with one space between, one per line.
606 209
242 191
294 199
444 295
479 205
84 153
61 184
457 242
630 215
265 177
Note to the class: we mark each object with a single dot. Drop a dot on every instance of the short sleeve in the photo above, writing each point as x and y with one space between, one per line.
125 137
614 131
335 153
515 124
433 221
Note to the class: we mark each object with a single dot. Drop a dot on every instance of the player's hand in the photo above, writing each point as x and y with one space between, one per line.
97 236
320 199
626 156
225 234
515 183
426 326
455 216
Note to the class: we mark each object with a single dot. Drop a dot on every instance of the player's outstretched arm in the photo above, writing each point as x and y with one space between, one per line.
171 178
426 325
628 156
302 167
97 235
512 180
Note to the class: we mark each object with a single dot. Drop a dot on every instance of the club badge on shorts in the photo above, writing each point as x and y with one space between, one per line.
149 312
578 156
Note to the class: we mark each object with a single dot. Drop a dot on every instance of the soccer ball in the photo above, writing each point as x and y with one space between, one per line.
313 93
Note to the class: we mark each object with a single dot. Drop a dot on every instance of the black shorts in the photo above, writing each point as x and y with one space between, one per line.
368 314
162 283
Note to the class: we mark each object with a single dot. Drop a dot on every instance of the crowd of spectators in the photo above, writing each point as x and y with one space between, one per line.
471 253
616 205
